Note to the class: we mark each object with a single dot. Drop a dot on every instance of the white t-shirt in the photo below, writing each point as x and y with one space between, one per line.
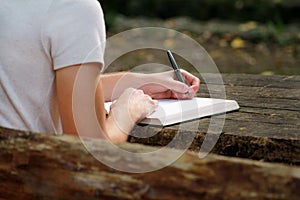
37 38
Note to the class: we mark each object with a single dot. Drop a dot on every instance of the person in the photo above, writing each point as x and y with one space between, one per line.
50 57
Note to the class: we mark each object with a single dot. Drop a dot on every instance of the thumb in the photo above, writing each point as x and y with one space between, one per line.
176 86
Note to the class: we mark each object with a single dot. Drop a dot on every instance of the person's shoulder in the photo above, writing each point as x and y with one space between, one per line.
79 6
86 4
76 2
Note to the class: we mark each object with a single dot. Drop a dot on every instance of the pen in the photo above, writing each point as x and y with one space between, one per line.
176 69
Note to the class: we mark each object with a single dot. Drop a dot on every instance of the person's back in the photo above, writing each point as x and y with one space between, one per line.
37 38
51 54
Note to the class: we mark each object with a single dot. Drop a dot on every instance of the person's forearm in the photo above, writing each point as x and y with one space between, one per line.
116 131
131 107
114 84
110 126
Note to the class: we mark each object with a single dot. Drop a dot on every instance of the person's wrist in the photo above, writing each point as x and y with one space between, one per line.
120 121
114 133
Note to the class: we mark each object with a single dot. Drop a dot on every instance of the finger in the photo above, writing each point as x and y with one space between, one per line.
176 85
171 82
188 95
150 100
138 91
155 103
190 78
162 95
195 88
151 105
152 108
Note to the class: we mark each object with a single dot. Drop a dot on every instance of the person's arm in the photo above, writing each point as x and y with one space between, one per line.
81 105
69 81
156 85
115 83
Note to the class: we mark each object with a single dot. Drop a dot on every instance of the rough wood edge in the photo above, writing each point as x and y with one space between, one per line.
35 166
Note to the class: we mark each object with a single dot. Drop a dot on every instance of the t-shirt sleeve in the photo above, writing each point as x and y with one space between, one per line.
75 32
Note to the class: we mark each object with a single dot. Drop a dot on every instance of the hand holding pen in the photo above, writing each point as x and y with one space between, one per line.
164 85
177 70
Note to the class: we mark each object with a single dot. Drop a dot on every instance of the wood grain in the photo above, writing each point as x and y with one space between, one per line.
41 166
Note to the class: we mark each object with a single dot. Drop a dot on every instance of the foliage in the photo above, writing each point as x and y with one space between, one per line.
265 11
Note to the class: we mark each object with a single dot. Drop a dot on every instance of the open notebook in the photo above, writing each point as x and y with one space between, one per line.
172 111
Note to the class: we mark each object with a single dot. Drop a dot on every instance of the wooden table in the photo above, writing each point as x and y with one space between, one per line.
260 143
267 126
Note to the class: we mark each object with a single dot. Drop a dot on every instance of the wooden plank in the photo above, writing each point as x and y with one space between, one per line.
260 97
269 116
41 166
244 142
250 80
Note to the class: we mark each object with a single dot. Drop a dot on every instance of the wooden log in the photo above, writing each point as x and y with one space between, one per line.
41 166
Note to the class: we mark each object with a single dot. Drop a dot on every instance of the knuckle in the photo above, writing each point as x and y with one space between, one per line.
138 92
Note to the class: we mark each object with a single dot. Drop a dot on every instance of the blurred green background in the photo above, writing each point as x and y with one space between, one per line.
242 36
277 11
